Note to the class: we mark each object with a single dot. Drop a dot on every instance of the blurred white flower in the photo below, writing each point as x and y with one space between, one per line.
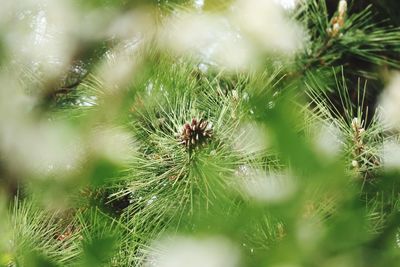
265 22
136 23
199 4
287 4
309 232
390 103
34 146
251 138
391 155
119 66
40 28
40 148
182 251
208 36
329 139
268 188
5 12
44 35
234 39
113 143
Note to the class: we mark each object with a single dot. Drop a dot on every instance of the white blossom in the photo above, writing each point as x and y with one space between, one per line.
391 154
390 103
182 251
329 139
267 187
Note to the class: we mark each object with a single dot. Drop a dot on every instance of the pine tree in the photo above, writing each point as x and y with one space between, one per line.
199 133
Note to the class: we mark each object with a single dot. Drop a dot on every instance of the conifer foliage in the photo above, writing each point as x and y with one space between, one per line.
199 133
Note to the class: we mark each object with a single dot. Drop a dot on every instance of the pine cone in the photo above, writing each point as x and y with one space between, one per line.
195 133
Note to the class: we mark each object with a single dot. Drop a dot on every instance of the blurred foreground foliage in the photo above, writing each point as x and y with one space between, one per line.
123 146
